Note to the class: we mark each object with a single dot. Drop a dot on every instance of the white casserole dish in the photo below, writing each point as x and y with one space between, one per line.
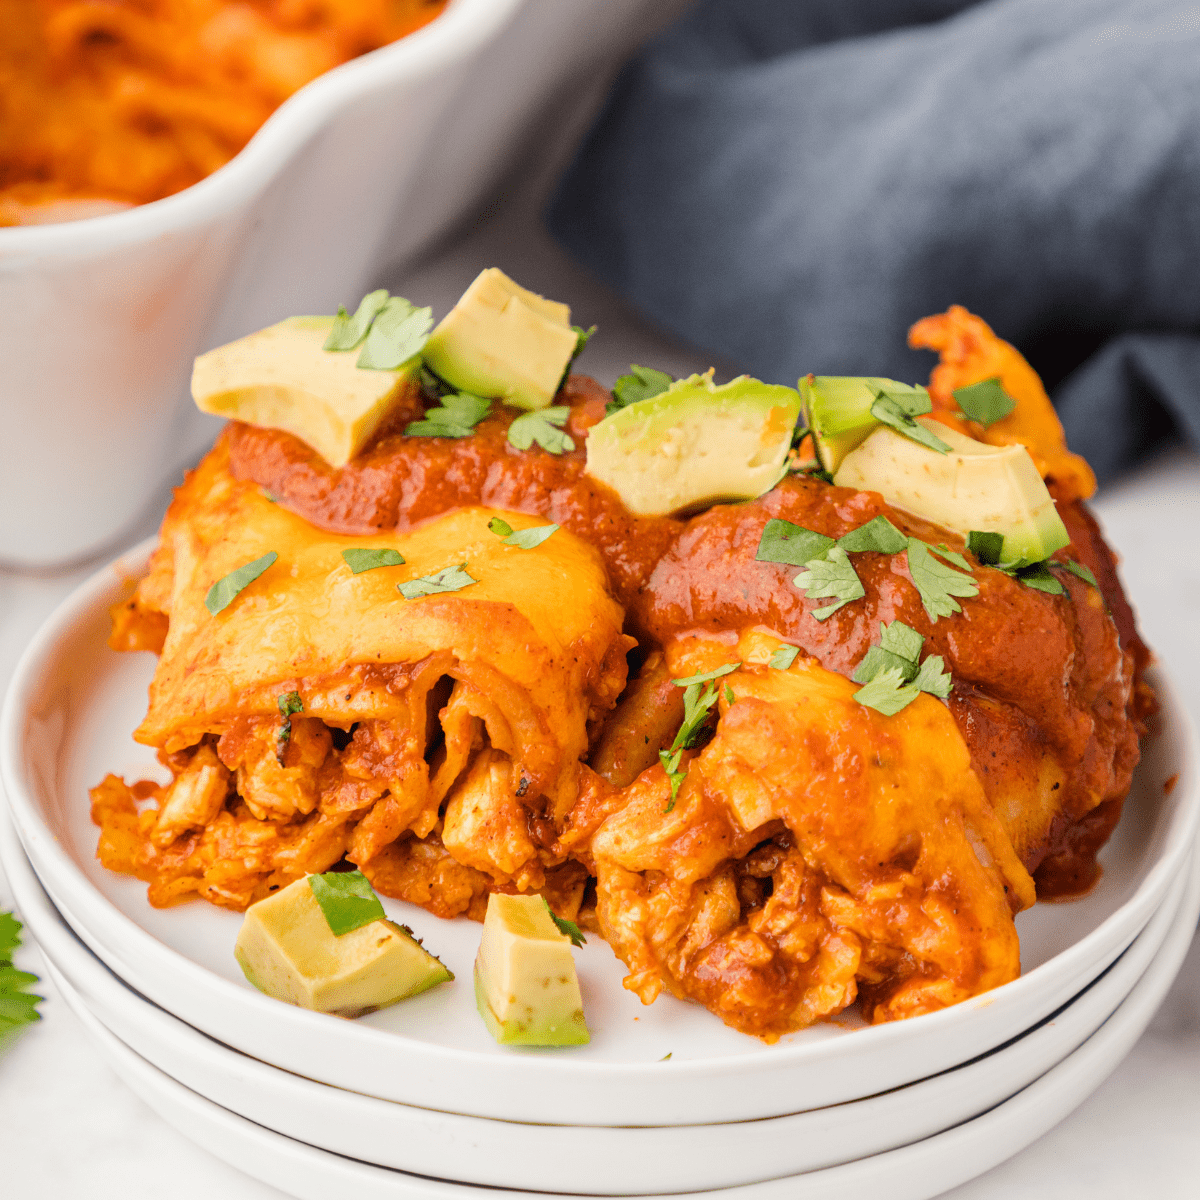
358 171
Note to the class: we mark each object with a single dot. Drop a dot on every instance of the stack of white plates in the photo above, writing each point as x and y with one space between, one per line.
417 1101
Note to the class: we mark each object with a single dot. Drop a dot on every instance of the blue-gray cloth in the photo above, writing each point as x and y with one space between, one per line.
791 183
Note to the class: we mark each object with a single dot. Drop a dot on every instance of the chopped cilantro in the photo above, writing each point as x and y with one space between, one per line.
525 539
347 900
937 583
891 675
223 593
456 416
449 579
399 332
17 1006
986 402
670 762
952 556
878 535
362 558
269 497
708 676
934 678
987 547
783 542
582 337
348 330
912 399
891 413
901 639
730 698
542 427
1077 568
640 384
698 700
288 703
887 692
564 926
784 657
831 576
1039 578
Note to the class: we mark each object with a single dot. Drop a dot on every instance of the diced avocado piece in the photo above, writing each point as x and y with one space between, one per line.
501 340
695 444
286 949
995 489
837 411
526 988
281 378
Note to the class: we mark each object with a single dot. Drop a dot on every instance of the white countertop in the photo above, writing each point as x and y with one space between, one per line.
69 1128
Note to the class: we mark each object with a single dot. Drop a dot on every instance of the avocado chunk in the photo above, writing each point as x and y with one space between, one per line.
281 378
504 341
526 988
993 489
287 949
695 444
838 411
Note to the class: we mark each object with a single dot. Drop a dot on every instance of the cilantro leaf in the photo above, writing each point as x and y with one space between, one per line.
524 539
833 576
348 330
987 547
542 427
17 1006
640 384
1039 578
449 579
457 416
708 676
347 900
937 583
912 399
878 659
986 402
784 657
878 535
901 639
223 593
582 337
934 678
288 704
670 763
364 558
1077 568
564 926
887 692
783 542
399 332
890 413
951 556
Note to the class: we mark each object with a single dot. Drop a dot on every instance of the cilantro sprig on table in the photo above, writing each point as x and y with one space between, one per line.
18 1006
892 675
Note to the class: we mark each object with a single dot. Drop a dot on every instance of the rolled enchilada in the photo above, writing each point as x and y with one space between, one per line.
435 742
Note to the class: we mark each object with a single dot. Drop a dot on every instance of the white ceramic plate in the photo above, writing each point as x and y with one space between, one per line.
66 722
915 1172
557 1158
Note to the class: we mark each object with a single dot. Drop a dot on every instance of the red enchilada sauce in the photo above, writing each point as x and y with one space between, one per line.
1038 678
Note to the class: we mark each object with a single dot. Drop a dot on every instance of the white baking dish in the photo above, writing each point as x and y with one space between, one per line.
358 171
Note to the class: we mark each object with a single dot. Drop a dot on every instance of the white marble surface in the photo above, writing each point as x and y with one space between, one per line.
69 1128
